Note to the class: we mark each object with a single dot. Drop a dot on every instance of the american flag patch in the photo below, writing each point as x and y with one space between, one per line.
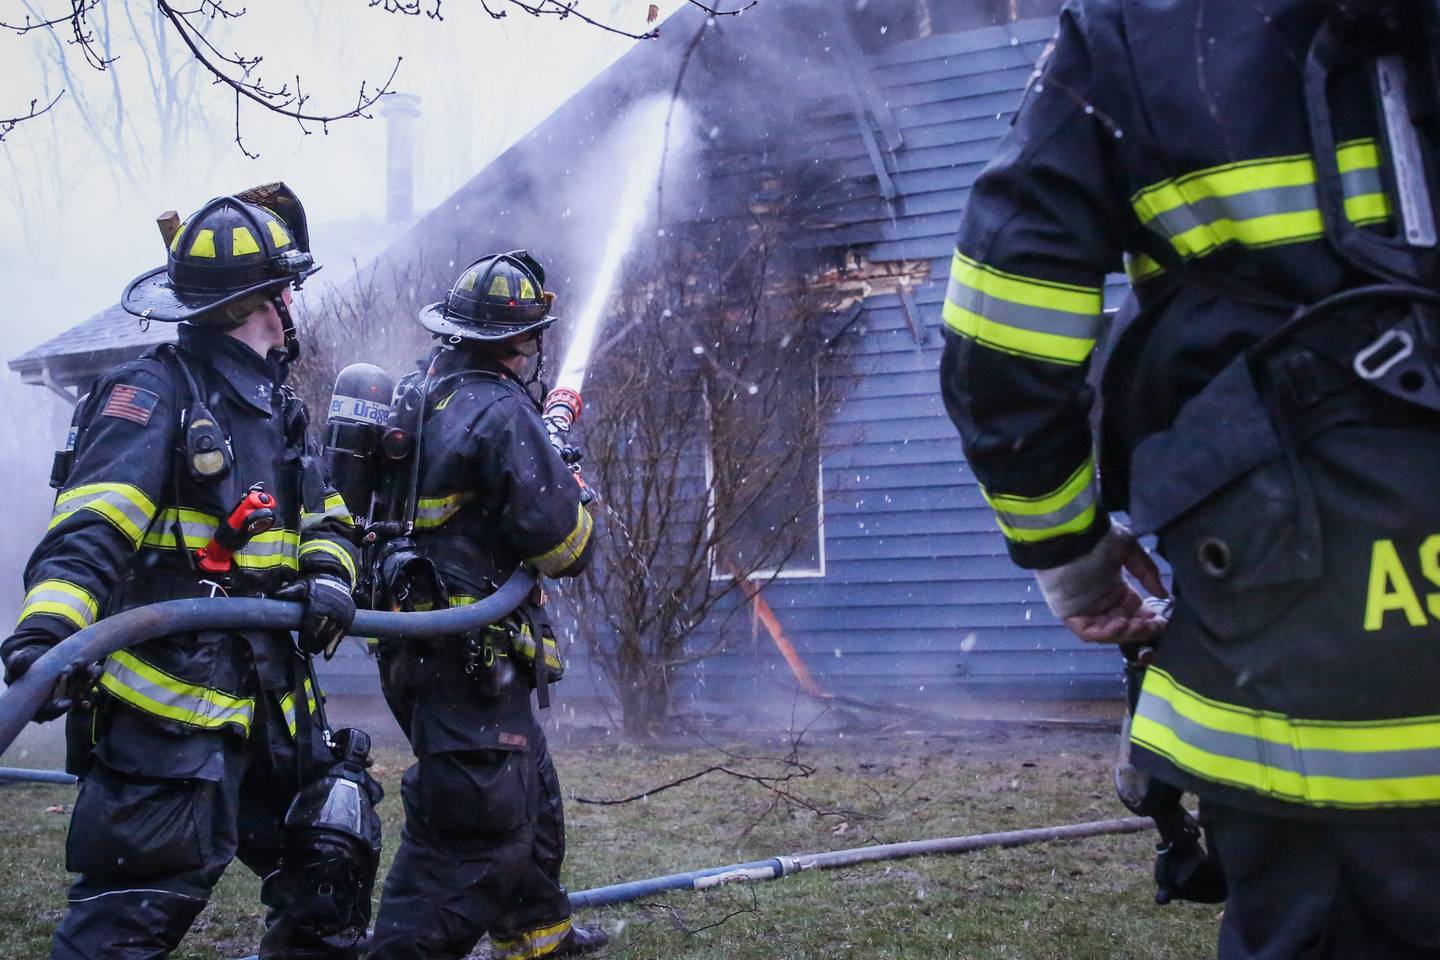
130 403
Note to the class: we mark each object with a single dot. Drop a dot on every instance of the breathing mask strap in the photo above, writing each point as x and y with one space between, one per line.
287 323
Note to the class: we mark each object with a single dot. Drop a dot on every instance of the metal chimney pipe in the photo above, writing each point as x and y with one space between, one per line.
400 111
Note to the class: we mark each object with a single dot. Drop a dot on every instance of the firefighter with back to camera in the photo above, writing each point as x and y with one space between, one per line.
479 490
1267 169
189 473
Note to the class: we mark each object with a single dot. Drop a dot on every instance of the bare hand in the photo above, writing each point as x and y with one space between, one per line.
1119 616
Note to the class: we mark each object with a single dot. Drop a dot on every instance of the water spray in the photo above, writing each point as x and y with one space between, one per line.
644 128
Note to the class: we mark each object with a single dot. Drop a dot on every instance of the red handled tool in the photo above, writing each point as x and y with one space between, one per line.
254 515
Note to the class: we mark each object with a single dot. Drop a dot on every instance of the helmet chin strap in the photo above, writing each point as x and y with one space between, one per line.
538 370
287 323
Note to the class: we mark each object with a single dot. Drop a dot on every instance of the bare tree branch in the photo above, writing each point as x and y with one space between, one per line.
10 123
78 8
282 100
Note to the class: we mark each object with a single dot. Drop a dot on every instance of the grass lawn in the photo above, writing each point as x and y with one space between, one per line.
1068 901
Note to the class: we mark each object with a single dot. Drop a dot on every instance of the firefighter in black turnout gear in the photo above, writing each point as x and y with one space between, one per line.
1267 170
191 748
485 491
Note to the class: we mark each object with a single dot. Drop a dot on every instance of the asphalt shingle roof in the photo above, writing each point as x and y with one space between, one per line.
86 348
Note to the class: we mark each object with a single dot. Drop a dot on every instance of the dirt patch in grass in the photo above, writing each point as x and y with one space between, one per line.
1068 901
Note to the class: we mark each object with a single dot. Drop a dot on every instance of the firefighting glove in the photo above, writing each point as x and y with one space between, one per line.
73 685
1092 596
329 611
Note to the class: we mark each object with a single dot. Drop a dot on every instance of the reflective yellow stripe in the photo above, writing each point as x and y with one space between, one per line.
266 551
432 512
335 508
1041 319
531 945
1070 508
525 644
63 599
243 242
125 506
1350 764
156 692
203 244
330 549
278 234
287 706
1261 202
567 551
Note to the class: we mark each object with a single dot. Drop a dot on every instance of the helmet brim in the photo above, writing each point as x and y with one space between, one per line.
151 296
434 319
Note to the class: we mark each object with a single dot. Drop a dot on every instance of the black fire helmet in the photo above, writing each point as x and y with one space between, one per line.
496 298
230 248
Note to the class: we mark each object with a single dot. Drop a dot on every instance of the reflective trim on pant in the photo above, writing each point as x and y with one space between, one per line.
149 849
1321 763
567 551
63 599
532 944
151 690
287 706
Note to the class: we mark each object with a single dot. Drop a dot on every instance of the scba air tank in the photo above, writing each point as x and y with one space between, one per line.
359 416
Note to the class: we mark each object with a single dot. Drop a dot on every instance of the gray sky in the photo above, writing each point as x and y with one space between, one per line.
76 215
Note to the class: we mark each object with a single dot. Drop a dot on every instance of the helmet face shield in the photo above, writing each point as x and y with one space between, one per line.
496 298
227 250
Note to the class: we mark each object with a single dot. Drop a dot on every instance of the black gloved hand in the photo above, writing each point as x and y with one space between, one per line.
71 687
329 611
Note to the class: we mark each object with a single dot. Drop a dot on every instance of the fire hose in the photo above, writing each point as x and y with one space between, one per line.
786 866
22 700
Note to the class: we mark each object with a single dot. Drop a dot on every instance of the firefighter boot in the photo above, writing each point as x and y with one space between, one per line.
581 940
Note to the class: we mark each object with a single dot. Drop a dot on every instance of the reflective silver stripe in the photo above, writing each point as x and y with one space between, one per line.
1310 762
149 689
123 505
1259 203
1081 326
532 945
332 550
287 706
63 599
1083 501
335 508
563 554
195 527
284 546
274 548
434 511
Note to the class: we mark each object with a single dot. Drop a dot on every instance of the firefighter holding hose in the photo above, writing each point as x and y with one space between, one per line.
483 490
1268 170
190 472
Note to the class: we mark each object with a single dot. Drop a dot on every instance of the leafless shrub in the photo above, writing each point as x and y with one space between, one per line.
703 442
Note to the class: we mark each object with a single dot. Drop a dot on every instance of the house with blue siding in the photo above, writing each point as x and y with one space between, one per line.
891 111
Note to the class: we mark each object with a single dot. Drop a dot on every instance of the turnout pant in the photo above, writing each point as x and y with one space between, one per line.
481 850
1302 890
160 816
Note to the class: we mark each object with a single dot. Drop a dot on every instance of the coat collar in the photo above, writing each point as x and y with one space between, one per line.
251 378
